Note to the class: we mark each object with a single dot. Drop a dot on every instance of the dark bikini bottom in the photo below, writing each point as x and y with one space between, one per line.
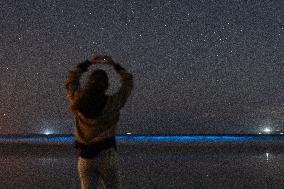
92 150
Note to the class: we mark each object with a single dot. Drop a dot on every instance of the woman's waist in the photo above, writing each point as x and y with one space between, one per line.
91 150
104 143
87 137
110 133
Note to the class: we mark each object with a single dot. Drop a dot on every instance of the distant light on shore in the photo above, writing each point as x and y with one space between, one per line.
267 130
48 132
272 131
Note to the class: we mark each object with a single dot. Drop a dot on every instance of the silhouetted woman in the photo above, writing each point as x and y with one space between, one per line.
96 116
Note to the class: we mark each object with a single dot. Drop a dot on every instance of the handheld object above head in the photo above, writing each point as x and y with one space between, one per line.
105 59
101 59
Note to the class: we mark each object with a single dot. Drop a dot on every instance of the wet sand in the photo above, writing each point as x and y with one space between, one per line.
150 165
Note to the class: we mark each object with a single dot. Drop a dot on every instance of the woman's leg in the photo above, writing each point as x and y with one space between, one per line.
107 167
89 175
103 166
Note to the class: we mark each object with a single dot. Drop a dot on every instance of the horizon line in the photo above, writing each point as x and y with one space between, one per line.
161 138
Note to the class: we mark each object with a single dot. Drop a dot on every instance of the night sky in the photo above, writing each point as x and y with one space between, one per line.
204 66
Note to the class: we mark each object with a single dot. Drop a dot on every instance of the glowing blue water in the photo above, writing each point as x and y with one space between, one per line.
203 138
70 138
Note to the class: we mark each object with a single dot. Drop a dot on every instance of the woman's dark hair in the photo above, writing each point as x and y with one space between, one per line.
92 99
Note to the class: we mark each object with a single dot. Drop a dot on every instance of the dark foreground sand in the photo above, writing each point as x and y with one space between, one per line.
150 165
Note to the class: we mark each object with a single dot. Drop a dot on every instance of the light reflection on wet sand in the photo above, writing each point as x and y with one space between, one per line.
148 166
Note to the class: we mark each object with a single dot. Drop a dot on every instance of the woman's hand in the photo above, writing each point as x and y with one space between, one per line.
109 60
101 59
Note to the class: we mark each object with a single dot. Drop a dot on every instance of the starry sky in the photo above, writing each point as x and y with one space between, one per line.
200 66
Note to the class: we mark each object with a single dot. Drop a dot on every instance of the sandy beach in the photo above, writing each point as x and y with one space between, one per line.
227 164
